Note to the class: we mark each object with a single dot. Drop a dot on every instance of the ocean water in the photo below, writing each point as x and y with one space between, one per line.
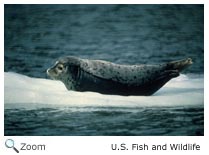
36 35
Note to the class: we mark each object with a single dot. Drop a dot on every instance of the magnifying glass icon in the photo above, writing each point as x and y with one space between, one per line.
9 143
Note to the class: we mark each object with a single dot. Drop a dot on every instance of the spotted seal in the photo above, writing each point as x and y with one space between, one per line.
110 78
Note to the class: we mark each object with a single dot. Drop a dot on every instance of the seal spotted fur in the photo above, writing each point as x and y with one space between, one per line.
110 78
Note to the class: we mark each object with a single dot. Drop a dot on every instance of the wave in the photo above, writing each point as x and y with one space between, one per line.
21 91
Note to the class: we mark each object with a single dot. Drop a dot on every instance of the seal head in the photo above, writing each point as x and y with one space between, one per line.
65 70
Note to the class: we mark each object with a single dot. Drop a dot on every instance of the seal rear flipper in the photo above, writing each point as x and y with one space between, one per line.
179 65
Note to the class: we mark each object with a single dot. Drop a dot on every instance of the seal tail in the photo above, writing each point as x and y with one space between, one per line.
180 64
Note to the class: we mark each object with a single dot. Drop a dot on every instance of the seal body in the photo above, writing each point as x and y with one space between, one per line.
109 78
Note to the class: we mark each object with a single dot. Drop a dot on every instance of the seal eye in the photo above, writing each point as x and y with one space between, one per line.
60 67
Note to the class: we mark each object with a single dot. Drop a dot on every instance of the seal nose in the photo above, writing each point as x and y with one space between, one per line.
47 71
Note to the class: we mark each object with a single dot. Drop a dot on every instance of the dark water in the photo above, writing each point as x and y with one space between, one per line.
36 35
105 121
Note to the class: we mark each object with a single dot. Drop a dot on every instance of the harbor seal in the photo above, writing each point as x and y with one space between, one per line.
110 78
